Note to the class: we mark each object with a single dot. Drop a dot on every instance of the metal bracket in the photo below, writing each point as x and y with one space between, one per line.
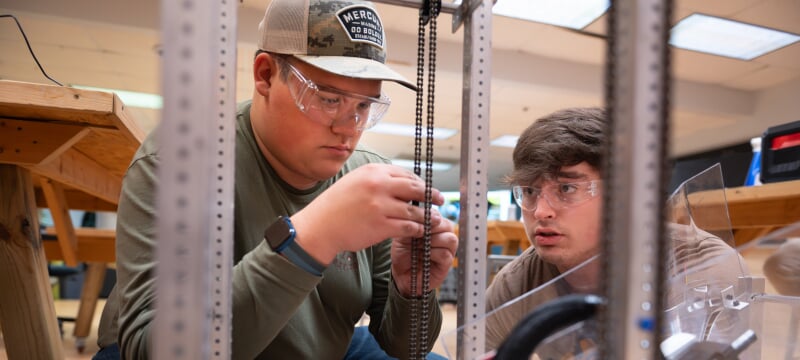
465 10
425 10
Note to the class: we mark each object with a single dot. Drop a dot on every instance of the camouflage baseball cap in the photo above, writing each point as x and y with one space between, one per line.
344 37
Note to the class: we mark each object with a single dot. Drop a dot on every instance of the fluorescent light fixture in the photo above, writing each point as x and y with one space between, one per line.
575 14
131 98
505 141
410 130
728 38
409 164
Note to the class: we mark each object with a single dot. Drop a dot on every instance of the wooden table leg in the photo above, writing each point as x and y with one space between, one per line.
92 284
27 314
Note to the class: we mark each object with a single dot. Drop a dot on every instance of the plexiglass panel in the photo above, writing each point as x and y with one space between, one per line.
714 306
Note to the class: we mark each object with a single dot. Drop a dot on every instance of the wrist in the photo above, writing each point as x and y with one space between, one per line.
298 256
281 235
321 251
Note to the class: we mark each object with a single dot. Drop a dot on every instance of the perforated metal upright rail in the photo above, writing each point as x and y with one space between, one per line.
636 178
195 194
474 180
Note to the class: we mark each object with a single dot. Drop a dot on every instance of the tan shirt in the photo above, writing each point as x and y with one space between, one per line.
698 258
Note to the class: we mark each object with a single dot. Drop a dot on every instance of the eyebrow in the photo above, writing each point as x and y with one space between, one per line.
328 87
571 175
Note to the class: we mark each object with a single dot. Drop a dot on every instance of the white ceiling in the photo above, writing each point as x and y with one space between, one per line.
537 69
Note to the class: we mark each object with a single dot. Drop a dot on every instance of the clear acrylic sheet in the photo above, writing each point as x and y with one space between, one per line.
711 299
776 310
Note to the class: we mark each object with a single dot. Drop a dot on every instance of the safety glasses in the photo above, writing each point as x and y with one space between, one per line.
558 195
327 105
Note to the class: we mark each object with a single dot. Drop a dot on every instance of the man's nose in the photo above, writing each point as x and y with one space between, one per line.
346 125
544 209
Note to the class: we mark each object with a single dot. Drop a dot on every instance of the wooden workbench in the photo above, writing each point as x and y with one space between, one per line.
754 211
510 235
61 148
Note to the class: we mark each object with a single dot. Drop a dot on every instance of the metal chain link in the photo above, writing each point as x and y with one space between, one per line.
418 345
426 263
417 155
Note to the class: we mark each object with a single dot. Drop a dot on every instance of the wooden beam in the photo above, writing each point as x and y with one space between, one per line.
27 315
745 235
126 123
49 102
77 170
77 200
33 142
92 284
94 245
768 205
59 210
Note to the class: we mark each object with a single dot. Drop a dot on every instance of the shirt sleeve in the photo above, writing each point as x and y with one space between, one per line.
258 314
136 258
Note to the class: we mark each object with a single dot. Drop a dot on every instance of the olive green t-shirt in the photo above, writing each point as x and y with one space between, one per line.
280 311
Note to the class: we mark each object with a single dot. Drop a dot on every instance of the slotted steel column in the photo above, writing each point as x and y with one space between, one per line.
474 179
195 194
637 176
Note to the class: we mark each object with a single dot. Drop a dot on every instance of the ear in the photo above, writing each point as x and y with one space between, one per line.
265 72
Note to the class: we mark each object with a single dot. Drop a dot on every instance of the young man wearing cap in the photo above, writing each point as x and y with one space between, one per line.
322 226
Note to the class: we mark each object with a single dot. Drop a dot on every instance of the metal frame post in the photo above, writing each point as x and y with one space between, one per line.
195 193
636 177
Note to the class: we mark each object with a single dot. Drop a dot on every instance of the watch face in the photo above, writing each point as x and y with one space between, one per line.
278 233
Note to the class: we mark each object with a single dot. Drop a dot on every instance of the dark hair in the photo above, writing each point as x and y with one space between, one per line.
564 138
282 60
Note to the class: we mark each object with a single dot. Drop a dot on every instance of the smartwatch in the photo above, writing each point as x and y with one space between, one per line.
280 237
280 234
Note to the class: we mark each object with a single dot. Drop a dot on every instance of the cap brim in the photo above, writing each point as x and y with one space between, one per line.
356 67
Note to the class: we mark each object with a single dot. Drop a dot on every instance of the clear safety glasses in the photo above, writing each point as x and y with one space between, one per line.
558 195
327 105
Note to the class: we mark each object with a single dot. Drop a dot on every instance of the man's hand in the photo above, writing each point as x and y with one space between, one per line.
444 243
364 207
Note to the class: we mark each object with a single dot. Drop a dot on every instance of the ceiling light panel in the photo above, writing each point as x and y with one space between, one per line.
575 14
727 38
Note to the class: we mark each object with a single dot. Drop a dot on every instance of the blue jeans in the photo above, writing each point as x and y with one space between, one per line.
364 346
110 352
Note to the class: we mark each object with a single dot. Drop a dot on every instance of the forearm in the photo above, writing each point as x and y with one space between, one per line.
267 290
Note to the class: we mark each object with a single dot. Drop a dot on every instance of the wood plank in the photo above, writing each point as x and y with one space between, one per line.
77 200
27 314
771 191
768 205
511 234
508 234
65 230
50 102
77 170
32 142
126 124
108 148
744 235
92 284
94 245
